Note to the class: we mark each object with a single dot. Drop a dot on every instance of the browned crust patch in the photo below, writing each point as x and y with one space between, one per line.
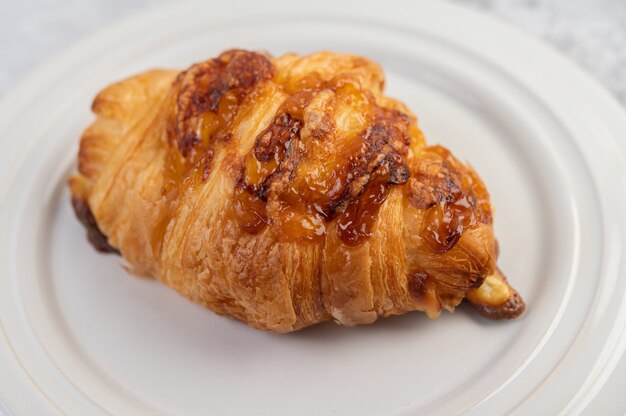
453 196
95 236
511 309
202 89
492 307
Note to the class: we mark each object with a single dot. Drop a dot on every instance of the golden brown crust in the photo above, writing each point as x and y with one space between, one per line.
283 192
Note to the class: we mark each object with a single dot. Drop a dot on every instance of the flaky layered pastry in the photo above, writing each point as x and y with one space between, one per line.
285 192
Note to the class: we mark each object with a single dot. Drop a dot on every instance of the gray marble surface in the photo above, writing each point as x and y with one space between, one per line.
591 32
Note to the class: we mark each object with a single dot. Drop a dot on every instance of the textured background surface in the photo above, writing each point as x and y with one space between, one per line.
591 32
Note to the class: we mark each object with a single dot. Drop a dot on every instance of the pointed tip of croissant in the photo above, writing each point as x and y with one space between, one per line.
496 299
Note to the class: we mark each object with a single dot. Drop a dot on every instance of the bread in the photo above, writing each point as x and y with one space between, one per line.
285 192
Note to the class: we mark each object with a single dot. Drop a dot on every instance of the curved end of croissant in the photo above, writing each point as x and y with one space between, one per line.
118 108
496 299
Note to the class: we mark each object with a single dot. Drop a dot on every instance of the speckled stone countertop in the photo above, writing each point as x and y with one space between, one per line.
591 32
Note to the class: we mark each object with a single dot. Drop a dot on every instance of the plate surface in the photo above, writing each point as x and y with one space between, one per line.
78 335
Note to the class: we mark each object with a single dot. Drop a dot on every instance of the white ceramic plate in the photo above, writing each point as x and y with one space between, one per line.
80 336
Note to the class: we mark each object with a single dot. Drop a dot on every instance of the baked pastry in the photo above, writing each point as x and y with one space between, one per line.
285 192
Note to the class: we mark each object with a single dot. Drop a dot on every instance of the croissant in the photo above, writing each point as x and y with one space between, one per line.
285 192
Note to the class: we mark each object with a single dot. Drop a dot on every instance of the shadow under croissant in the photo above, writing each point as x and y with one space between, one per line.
411 321
397 323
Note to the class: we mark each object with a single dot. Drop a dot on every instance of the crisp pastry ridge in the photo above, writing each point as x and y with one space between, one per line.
285 192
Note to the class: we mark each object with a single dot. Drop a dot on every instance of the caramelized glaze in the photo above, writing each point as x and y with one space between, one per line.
355 223
347 184
249 210
206 98
454 198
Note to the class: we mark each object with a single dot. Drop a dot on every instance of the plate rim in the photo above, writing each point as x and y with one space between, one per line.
43 71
